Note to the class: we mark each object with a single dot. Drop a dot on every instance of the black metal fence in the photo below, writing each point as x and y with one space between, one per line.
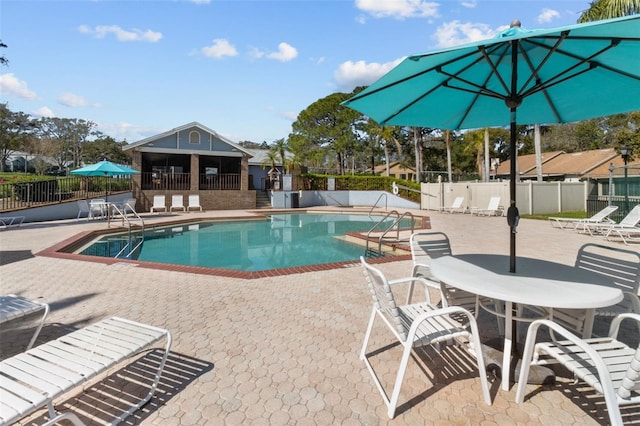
36 193
595 203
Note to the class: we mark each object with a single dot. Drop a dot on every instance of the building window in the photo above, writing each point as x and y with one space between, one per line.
194 137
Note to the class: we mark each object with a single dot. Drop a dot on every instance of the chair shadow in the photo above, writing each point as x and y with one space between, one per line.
11 256
105 400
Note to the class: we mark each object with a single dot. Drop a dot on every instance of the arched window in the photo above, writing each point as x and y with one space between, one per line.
194 137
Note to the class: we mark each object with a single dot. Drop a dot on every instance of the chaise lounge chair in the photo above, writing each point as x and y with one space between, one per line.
177 202
456 206
158 203
601 217
194 202
627 227
493 208
33 379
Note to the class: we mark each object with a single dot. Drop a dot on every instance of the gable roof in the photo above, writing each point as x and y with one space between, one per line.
560 163
261 155
148 142
383 167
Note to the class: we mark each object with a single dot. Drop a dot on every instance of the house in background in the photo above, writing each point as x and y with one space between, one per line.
192 159
396 170
562 166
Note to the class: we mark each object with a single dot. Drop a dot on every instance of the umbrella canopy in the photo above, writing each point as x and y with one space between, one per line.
104 168
543 76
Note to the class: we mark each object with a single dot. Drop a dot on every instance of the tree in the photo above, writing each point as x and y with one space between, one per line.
104 148
329 125
606 9
15 130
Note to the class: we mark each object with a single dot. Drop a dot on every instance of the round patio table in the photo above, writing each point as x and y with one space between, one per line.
536 282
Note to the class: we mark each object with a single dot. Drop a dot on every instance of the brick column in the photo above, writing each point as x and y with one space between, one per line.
195 173
136 163
244 173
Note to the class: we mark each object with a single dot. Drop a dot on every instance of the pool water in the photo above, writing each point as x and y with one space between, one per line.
281 241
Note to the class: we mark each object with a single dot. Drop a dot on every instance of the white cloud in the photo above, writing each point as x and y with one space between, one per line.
290 115
399 9
74 101
352 74
127 131
547 16
101 31
43 112
469 4
9 84
455 33
201 1
285 53
220 48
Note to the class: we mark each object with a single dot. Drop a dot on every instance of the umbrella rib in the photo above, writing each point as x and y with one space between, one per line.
409 77
444 83
493 67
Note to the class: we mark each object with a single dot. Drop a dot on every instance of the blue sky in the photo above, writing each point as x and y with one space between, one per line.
243 68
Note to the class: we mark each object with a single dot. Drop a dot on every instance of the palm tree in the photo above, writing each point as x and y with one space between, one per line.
605 9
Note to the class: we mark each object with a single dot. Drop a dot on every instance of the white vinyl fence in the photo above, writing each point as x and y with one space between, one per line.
531 197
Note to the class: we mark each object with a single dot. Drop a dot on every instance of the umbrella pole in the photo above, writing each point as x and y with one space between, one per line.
512 213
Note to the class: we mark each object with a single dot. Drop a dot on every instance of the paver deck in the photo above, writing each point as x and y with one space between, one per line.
283 349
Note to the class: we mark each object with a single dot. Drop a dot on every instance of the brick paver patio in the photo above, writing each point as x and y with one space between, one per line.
283 349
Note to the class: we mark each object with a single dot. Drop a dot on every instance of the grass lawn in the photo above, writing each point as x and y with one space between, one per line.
571 215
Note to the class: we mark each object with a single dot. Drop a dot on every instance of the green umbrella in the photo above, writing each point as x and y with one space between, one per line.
554 75
104 168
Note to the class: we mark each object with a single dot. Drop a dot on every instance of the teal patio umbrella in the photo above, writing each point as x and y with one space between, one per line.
542 76
104 168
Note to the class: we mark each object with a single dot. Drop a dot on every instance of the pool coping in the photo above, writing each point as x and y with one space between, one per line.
57 250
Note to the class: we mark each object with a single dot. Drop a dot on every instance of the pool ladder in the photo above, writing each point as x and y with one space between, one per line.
395 225
133 242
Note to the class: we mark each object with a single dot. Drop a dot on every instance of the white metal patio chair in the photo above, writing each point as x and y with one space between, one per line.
493 208
427 245
194 202
416 325
618 265
158 204
608 365
177 202
129 206
456 206
569 223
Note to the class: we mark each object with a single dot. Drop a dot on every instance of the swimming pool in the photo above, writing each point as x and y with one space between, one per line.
280 241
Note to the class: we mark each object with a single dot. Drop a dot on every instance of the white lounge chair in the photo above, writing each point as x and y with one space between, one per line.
601 217
13 307
493 208
194 202
34 379
608 365
7 221
456 206
627 229
414 326
158 203
177 202
619 266
630 221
